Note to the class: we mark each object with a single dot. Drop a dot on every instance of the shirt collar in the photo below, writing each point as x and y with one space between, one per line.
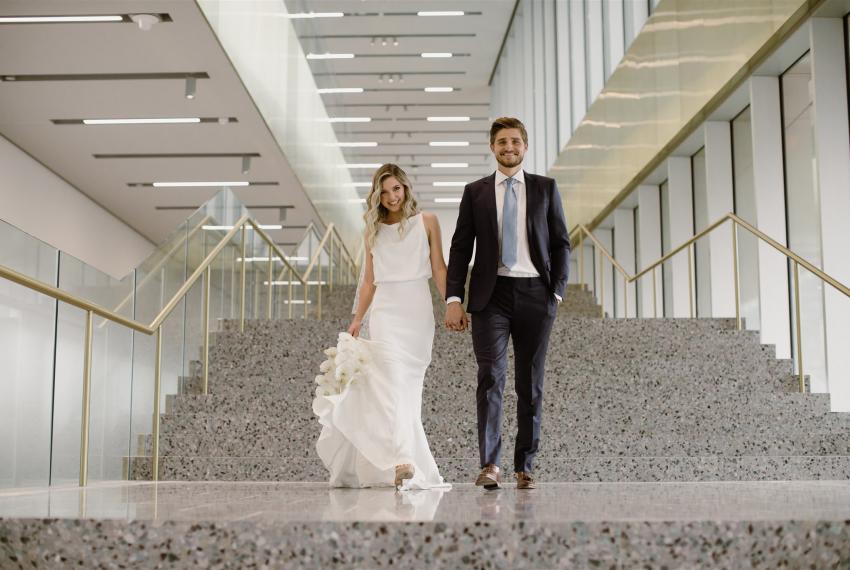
501 177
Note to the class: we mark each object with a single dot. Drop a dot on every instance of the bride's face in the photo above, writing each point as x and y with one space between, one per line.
392 194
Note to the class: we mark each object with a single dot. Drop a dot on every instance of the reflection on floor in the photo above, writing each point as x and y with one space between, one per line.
309 525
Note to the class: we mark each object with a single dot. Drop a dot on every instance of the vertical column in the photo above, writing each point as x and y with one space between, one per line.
718 174
562 42
551 91
605 237
649 245
636 13
624 253
832 148
680 193
614 35
595 56
578 66
537 62
768 183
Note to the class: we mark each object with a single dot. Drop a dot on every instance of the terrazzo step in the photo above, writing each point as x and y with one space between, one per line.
547 468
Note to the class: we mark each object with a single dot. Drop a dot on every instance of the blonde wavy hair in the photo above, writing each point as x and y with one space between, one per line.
376 213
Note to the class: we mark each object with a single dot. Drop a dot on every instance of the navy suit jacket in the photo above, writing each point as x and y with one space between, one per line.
548 239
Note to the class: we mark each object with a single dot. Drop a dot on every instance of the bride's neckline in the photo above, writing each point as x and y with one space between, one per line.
397 223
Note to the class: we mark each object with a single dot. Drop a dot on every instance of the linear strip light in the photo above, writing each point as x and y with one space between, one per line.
360 165
440 13
447 119
356 201
448 184
257 259
437 54
354 144
295 283
310 15
141 121
439 89
349 119
449 165
249 226
330 56
447 200
448 143
57 19
340 90
197 184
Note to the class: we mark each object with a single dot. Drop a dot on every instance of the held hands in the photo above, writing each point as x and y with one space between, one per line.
354 328
456 317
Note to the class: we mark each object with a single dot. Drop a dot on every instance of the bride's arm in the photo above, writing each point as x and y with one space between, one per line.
438 263
367 293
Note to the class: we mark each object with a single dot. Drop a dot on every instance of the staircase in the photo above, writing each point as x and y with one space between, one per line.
626 400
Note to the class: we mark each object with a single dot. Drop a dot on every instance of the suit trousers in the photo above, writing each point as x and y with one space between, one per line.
522 309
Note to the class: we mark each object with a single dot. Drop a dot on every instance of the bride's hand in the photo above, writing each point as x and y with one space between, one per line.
354 329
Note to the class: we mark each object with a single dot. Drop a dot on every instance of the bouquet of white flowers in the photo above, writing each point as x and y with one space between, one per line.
346 364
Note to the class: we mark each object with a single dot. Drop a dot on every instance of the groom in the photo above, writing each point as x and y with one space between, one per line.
516 222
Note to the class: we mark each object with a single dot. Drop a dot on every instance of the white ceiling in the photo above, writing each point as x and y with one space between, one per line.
399 109
184 45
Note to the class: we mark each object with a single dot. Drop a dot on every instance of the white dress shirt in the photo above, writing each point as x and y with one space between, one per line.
523 267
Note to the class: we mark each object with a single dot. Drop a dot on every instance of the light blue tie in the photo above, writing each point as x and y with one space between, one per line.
509 216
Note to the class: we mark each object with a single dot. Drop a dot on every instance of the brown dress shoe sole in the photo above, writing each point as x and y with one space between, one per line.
488 483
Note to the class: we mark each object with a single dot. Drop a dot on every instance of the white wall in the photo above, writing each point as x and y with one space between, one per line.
448 221
35 200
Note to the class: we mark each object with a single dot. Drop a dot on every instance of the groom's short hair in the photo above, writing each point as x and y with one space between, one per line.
507 123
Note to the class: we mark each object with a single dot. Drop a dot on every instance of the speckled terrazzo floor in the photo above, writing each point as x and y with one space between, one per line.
308 525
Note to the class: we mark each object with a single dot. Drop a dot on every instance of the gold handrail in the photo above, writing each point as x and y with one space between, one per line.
155 327
737 222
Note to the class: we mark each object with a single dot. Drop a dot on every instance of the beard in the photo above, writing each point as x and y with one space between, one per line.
510 160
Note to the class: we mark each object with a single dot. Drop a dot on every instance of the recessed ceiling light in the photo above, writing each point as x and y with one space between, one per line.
349 119
447 200
358 185
249 227
341 90
141 121
330 56
448 184
58 19
448 143
447 119
354 144
437 54
449 165
440 13
360 165
197 184
439 89
308 15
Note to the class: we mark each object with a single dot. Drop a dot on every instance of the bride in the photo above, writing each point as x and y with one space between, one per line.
369 398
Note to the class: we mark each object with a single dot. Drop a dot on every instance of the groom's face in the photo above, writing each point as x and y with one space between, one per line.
508 147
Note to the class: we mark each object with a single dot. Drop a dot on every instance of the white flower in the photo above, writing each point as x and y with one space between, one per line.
331 351
326 366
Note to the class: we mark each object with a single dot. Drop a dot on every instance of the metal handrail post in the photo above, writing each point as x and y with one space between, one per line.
691 278
290 293
735 275
206 326
581 259
157 387
331 265
602 284
242 287
319 293
86 412
798 327
654 294
271 278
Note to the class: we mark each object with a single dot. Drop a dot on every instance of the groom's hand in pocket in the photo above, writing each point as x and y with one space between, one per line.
456 319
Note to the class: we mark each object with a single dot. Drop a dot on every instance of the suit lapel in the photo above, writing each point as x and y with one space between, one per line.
530 206
490 203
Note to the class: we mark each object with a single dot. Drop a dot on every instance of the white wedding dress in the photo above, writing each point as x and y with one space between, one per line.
369 398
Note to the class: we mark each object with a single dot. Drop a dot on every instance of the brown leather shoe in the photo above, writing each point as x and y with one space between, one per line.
489 478
524 480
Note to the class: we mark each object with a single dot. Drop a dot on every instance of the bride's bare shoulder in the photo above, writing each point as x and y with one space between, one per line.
428 218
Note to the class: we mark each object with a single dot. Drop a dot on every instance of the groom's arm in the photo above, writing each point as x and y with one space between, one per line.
460 252
559 243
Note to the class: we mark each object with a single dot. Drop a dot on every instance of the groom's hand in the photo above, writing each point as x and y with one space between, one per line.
456 319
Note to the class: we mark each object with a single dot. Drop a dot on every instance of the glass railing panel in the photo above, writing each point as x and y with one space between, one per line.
111 376
27 327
